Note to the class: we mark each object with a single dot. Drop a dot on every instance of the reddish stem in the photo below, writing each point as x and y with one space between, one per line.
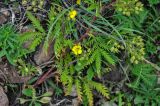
43 77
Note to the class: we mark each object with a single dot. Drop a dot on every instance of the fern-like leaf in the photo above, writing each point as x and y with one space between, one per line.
78 88
107 57
143 72
35 22
58 47
88 93
35 43
93 57
69 86
51 16
98 63
100 88
2 53
28 36
64 77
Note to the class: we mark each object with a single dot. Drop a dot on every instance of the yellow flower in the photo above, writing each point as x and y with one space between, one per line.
78 2
72 14
77 49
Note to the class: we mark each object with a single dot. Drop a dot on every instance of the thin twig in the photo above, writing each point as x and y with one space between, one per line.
152 64
13 15
57 104
125 70
43 77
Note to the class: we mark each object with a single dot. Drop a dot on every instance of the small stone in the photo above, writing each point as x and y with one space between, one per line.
109 104
5 12
41 57
2 19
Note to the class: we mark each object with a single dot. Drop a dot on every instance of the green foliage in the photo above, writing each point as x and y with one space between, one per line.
135 22
100 88
35 22
84 84
135 47
144 73
145 95
98 35
9 45
152 2
152 27
145 87
26 69
48 35
34 37
84 87
33 4
33 99
145 90
88 93
98 50
150 47
121 99
61 44
58 91
54 24
101 43
78 88
128 7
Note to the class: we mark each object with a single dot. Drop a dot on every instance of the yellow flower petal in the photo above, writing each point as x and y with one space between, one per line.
80 51
78 2
77 49
72 14
76 53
